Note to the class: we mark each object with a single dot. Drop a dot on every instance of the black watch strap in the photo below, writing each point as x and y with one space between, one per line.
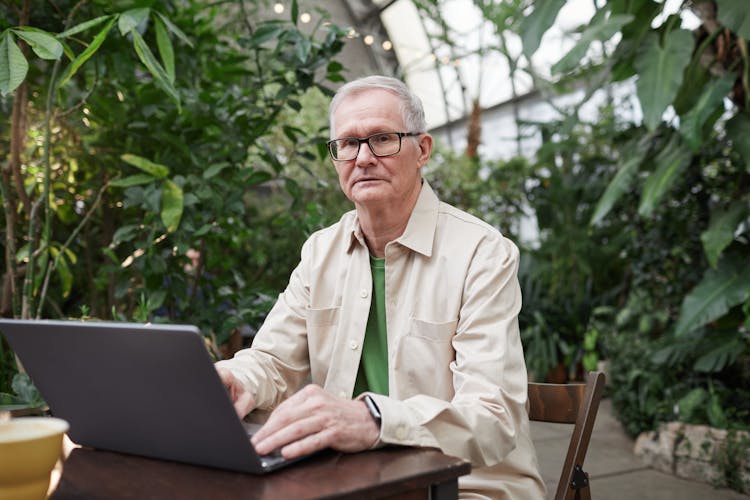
373 409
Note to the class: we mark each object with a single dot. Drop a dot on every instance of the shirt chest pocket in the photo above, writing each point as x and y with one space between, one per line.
321 334
424 356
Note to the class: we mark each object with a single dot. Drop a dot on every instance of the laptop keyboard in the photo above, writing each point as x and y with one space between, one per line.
270 460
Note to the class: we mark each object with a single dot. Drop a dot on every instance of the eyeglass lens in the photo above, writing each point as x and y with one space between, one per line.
385 144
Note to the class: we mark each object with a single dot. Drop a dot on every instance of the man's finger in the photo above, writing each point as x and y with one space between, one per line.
244 404
266 441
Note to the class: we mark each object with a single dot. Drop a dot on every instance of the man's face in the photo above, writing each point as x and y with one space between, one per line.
368 180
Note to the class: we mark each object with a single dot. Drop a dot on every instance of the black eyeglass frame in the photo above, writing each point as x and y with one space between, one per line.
366 140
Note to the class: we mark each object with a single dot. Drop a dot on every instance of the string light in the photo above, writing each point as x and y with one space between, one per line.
306 17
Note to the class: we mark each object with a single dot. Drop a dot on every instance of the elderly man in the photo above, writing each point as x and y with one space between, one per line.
408 304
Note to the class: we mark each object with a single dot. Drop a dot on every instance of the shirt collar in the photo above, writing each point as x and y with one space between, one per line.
420 230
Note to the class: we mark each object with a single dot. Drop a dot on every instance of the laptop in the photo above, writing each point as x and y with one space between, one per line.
143 389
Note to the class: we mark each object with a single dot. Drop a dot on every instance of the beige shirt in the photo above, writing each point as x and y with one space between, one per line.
456 372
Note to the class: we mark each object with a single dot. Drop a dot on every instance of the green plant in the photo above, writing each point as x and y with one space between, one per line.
671 189
164 133
733 459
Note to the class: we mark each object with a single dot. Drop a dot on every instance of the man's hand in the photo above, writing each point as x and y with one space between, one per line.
242 400
314 419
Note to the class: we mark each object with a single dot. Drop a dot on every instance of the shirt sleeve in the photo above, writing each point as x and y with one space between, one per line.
278 363
482 420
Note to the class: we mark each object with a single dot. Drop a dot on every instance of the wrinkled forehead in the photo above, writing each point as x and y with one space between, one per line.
366 105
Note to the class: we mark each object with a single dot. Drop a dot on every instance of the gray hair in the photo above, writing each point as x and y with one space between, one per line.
412 111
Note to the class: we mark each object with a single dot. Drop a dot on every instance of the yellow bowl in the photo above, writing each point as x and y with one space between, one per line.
29 449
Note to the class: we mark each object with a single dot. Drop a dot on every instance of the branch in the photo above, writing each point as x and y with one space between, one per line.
12 7
10 240
18 120
17 134
53 265
245 18
28 282
84 99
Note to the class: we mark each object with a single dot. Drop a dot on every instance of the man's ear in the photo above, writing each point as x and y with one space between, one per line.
425 149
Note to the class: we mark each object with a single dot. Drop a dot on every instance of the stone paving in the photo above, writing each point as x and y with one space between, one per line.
615 472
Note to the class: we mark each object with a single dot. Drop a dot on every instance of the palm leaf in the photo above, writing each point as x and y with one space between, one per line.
537 23
711 98
601 31
631 159
734 15
738 130
670 163
661 68
720 232
720 290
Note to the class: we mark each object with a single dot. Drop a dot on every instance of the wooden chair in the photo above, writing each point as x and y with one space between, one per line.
570 404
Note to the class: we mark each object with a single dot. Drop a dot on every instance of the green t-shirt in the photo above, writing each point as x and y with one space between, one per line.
373 367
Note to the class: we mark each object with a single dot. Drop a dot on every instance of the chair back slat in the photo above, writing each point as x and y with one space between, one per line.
558 403
569 404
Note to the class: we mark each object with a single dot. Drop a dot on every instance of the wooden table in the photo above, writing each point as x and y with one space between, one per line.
405 473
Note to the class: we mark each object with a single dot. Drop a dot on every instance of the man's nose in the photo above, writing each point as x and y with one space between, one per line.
365 156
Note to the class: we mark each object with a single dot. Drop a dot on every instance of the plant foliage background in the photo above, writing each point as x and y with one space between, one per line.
159 159
643 207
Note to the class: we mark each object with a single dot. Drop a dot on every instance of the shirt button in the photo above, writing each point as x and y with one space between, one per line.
363 293
353 344
401 432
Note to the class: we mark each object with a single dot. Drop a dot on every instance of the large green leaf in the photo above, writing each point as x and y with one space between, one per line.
155 169
63 271
604 30
537 23
661 68
42 43
738 130
735 15
86 54
302 47
723 354
172 204
265 32
711 98
720 290
130 19
133 180
153 66
670 163
632 157
720 232
166 51
13 65
294 12
174 29
215 169
83 26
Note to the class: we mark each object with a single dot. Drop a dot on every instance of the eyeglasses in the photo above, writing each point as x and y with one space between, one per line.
381 144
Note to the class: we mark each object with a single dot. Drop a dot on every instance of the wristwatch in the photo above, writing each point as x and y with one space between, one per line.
373 409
